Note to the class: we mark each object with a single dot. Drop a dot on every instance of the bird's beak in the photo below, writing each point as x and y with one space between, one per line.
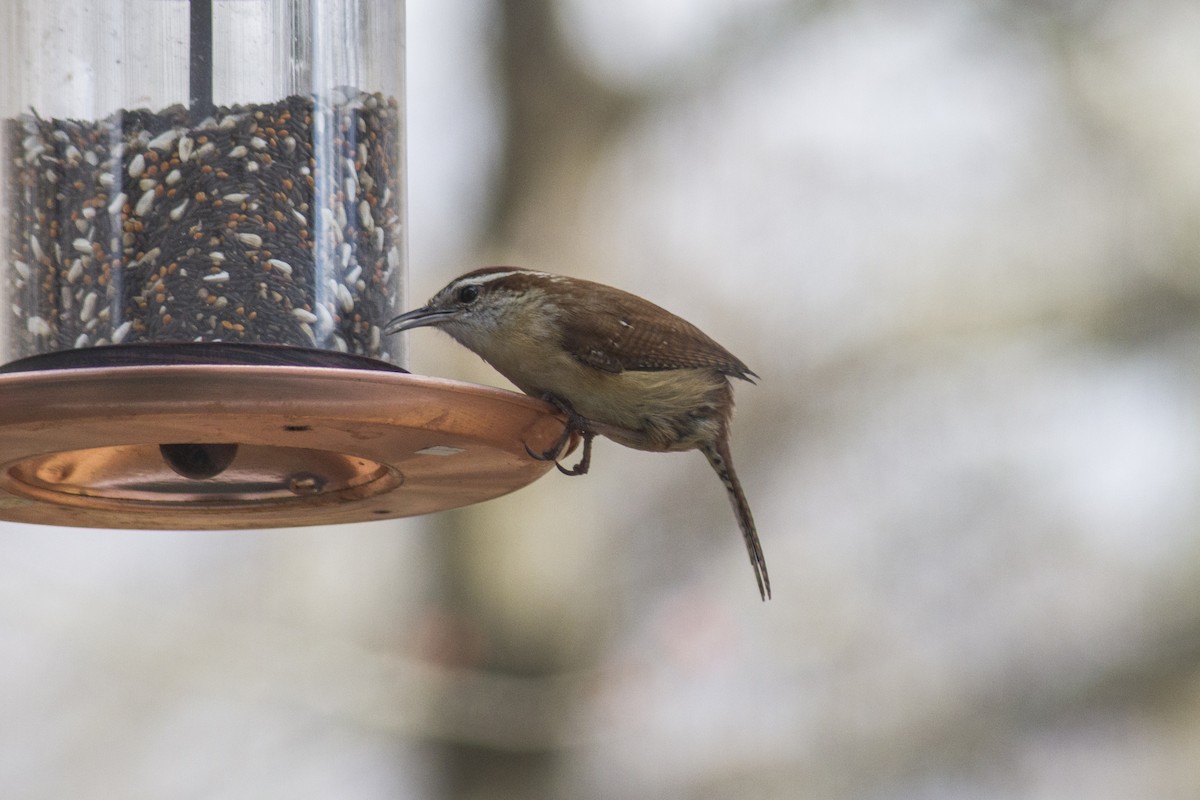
417 318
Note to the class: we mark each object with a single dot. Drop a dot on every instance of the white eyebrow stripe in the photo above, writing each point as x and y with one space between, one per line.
479 280
484 280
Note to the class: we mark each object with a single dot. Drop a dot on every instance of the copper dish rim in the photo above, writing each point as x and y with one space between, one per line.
316 445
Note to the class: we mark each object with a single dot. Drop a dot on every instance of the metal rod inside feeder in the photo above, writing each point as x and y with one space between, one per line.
201 60
199 461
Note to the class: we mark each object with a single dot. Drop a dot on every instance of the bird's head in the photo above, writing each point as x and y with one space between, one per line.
475 307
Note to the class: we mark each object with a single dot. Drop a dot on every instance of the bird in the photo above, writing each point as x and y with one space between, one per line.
614 364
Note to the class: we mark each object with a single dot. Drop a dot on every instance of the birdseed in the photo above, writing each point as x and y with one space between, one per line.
276 223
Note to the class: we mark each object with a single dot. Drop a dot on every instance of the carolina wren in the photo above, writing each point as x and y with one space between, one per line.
613 363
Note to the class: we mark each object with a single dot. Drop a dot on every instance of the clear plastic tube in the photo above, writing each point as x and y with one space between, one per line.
212 170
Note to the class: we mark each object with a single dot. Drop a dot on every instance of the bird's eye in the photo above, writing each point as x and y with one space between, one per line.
467 294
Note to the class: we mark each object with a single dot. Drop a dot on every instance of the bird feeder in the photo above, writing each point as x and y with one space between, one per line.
202 235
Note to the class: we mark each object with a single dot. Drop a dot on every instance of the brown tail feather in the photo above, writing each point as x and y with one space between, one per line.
718 455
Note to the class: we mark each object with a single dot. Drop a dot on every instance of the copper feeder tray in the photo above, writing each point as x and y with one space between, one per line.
279 442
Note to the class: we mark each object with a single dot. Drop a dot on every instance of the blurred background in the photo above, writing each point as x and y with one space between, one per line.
957 240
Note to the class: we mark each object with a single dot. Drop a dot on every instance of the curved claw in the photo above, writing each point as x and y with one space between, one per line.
575 424
585 462
556 449
550 455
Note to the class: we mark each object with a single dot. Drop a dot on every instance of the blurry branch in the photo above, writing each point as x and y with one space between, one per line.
408 696
558 116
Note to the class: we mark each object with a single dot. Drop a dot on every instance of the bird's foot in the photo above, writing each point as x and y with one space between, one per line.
585 462
575 424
